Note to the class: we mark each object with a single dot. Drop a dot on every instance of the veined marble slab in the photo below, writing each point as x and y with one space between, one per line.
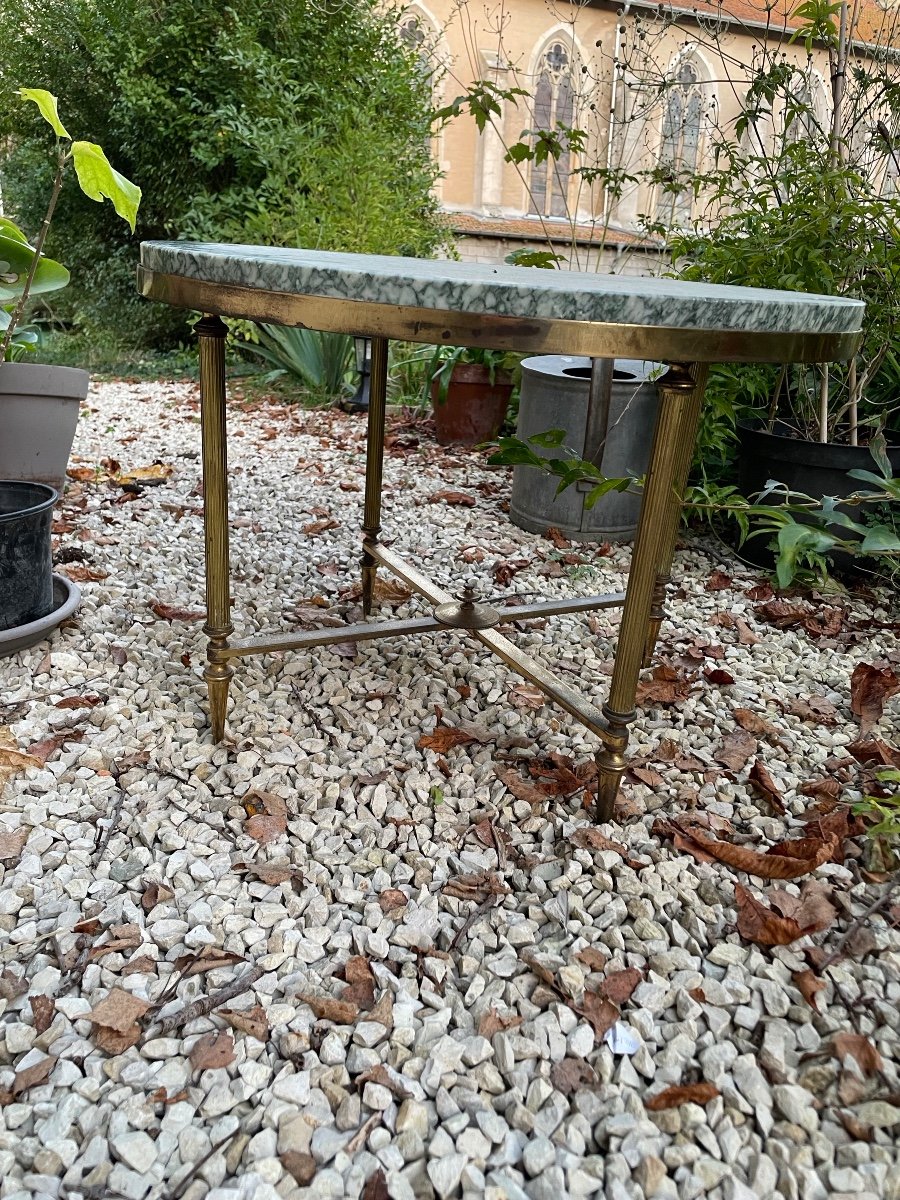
441 285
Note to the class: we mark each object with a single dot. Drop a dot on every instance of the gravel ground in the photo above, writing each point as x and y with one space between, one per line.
415 957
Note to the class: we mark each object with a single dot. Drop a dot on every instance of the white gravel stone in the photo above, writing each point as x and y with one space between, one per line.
462 1060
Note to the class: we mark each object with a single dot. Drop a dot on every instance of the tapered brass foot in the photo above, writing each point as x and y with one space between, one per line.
610 768
218 679
369 575
611 763
657 615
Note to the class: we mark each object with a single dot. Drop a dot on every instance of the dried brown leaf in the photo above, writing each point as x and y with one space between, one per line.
448 496
736 749
557 537
376 1187
746 636
210 958
444 738
870 689
620 984
143 965
155 893
688 1093
571 1074
119 1011
599 1011
526 695
809 986
718 581
520 788
761 781
479 886
857 1046
782 613
383 1012
758 923
590 838
81 573
753 723
816 709
492 1022
316 527
719 676
78 702
384 1076
11 986
212 1052
249 1020
592 958
43 1009
767 866
360 989
666 686
171 612
326 1008
31 1077
828 789
48 747
648 776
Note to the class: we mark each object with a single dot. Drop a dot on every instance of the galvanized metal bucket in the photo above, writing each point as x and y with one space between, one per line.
554 395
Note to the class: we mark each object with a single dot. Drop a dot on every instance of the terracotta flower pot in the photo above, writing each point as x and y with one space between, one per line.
474 408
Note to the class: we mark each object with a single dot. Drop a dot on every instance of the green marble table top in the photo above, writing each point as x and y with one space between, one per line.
500 290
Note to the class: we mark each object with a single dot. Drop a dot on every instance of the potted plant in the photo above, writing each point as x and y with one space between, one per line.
470 390
39 404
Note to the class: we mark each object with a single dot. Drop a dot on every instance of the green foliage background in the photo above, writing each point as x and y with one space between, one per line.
288 122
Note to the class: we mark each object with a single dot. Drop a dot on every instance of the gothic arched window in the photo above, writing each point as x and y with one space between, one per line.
679 150
554 107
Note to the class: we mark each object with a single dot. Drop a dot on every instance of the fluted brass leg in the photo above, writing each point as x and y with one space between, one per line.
669 536
374 466
675 429
211 332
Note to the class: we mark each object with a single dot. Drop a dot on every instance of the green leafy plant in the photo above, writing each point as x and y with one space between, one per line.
321 361
24 269
444 359
883 811
805 530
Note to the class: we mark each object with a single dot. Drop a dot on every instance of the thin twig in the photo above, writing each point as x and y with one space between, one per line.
482 908
182 1187
116 814
205 1005
63 687
362 1133
873 908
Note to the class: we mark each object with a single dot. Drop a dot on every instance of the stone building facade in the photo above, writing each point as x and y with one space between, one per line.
646 83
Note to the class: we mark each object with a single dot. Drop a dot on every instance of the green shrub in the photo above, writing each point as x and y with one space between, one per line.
285 122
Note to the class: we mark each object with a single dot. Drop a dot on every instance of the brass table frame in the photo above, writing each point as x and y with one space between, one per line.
688 351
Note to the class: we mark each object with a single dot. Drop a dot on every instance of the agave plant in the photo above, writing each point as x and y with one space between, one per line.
321 361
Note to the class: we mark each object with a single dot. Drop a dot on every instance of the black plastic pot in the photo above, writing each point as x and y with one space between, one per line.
26 575
815 468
